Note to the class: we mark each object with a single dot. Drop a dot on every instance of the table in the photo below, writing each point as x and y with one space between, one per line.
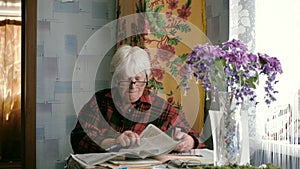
203 156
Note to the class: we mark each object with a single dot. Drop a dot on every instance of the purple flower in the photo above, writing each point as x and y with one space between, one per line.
233 66
270 64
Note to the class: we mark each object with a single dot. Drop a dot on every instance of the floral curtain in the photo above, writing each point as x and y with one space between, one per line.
168 29
10 85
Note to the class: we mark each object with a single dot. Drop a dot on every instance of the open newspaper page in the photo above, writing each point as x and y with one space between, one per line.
93 159
153 142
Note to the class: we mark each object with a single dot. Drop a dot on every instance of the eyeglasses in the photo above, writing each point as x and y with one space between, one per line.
137 83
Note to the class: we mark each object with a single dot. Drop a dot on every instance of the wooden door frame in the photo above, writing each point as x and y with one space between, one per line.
28 106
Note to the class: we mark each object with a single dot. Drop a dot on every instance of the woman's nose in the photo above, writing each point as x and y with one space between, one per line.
132 84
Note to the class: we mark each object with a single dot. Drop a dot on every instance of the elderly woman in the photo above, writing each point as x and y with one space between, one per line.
117 116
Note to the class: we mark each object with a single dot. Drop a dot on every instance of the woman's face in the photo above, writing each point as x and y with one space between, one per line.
132 88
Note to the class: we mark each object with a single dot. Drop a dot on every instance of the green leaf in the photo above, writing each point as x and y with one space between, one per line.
174 70
159 86
223 62
147 2
178 61
252 81
242 80
155 85
158 8
173 32
183 28
161 23
184 56
188 3
252 84
158 35
174 41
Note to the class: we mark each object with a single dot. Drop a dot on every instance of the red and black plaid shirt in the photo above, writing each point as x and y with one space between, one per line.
104 116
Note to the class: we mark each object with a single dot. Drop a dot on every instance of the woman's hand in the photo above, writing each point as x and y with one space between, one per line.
128 138
186 144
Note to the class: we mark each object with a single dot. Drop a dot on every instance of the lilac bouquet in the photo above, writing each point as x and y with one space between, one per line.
231 67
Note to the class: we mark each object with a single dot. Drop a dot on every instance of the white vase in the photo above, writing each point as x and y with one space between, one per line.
228 133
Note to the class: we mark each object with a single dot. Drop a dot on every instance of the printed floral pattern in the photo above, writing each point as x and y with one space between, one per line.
159 25
167 39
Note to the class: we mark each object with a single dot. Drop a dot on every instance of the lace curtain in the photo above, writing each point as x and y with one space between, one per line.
242 27
10 87
274 131
242 22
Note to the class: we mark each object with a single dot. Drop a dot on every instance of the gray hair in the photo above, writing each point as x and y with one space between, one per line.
129 61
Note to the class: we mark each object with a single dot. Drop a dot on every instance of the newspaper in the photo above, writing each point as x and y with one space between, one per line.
153 142
91 160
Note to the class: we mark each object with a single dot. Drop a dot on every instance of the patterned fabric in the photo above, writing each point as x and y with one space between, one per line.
104 116
242 22
10 66
168 29
10 89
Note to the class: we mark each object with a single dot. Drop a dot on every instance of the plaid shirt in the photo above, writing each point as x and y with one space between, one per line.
104 116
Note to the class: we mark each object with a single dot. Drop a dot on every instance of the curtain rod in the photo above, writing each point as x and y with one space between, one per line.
10 22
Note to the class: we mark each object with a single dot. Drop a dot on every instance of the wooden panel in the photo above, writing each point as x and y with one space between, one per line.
29 19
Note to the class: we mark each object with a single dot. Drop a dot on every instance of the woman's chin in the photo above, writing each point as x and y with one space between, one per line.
133 98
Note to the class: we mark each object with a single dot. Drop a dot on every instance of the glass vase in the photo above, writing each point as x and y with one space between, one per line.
229 133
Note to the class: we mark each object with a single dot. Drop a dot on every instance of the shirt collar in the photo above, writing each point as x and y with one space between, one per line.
145 98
